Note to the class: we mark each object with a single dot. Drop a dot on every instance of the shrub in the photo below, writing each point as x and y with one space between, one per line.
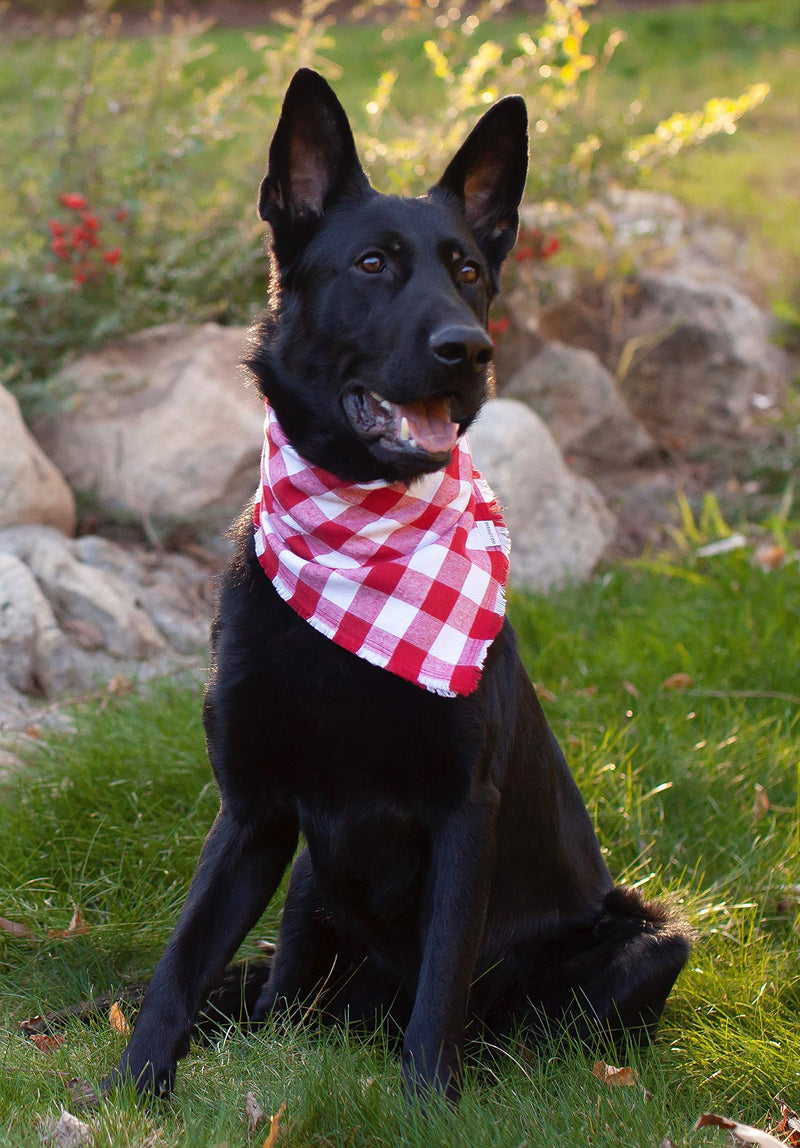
132 128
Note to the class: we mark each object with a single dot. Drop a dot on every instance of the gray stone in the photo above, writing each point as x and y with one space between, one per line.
696 355
31 487
82 594
578 399
36 656
160 423
559 524
77 613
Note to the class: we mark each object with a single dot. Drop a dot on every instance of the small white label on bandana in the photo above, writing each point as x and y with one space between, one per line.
487 532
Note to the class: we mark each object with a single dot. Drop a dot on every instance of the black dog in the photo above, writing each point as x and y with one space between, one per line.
452 882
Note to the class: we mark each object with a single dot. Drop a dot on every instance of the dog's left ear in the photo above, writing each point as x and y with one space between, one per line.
487 177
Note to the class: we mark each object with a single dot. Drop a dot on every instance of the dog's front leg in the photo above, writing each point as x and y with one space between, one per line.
459 884
240 867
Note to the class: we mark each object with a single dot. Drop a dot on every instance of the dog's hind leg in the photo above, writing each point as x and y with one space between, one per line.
319 975
240 867
307 953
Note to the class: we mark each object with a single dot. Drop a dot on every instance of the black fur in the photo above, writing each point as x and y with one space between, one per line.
451 880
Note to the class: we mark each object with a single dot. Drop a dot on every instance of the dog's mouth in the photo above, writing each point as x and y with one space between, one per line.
424 427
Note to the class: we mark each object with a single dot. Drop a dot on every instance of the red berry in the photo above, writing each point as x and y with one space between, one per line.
72 200
112 255
61 248
498 326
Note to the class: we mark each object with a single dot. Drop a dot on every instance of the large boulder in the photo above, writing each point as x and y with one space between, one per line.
559 524
31 487
578 399
697 355
160 423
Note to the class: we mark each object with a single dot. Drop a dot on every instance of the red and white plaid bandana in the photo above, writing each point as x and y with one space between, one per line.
410 578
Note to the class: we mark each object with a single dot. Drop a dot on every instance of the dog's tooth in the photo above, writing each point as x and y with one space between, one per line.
383 403
413 443
405 430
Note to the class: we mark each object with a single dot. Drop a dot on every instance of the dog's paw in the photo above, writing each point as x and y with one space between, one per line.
151 1078
426 1075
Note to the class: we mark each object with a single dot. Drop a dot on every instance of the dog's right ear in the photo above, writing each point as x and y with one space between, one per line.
312 159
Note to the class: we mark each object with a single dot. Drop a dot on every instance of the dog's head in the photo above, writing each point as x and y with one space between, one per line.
374 352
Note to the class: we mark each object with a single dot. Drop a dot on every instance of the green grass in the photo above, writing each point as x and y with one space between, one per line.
112 820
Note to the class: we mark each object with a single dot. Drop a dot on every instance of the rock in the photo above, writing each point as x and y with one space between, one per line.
696 355
85 598
630 215
559 524
36 656
31 488
160 424
76 613
174 591
578 399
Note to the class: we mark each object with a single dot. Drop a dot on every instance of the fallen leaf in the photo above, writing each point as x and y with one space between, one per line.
630 688
678 682
268 947
14 929
116 1018
666 1143
274 1126
66 1132
789 1125
741 1132
119 684
75 928
760 804
47 1041
615 1077
546 695
32 1025
770 557
255 1113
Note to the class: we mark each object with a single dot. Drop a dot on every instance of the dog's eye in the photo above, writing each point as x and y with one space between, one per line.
373 262
469 273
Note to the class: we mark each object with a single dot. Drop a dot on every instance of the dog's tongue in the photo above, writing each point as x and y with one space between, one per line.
429 424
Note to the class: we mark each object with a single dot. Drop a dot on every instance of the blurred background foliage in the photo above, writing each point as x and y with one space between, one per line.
161 138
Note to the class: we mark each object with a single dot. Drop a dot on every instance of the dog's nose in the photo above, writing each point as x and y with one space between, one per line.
461 347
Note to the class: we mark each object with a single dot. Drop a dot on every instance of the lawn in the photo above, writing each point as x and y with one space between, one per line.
694 791
673 685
